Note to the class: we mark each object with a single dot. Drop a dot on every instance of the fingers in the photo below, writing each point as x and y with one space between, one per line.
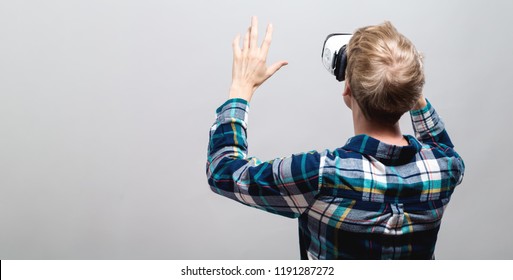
275 67
267 40
251 39
245 45
249 64
253 33
236 47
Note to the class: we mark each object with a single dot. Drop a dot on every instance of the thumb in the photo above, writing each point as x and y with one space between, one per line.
275 67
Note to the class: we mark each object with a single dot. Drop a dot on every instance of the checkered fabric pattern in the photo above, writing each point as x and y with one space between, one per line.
365 200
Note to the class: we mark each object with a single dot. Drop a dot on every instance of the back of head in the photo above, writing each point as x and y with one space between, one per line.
384 72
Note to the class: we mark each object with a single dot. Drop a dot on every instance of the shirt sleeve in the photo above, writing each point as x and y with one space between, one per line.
430 130
284 186
429 127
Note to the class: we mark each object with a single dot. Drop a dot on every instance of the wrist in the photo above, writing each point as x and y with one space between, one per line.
241 91
421 103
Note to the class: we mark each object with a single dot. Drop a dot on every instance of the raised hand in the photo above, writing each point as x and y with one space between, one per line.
249 68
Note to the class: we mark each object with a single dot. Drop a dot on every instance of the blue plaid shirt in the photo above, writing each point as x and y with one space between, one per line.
365 200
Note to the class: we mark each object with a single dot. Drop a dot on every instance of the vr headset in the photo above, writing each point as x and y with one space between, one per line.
334 55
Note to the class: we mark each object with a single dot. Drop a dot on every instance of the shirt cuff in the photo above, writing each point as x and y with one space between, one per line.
233 110
422 110
426 121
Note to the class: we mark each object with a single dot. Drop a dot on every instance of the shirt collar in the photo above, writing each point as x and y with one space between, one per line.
386 153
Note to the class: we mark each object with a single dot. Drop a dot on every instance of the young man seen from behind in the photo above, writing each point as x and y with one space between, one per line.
382 194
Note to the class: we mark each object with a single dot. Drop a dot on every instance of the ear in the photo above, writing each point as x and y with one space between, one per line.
347 89
347 95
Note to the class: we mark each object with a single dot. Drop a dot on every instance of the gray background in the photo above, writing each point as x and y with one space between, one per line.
105 108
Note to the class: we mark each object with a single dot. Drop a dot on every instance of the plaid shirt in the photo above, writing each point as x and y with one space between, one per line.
365 200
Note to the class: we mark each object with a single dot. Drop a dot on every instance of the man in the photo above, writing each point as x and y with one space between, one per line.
380 196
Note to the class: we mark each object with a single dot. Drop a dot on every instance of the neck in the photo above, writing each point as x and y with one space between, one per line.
390 134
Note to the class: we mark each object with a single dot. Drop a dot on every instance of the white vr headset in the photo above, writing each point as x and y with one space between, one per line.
334 56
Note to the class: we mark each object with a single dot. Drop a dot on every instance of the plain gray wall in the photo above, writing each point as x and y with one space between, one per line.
105 108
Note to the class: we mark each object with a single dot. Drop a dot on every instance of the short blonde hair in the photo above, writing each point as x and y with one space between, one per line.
384 71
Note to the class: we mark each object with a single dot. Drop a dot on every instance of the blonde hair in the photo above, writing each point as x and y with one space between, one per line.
384 71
